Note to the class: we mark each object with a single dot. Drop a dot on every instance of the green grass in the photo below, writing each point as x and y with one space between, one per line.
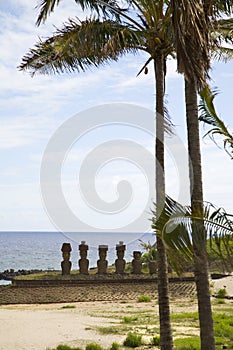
65 347
144 299
115 346
68 307
188 343
130 319
185 315
93 346
113 330
220 301
135 324
155 340
133 340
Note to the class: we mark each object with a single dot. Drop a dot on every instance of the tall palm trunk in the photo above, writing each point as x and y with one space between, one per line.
166 342
199 243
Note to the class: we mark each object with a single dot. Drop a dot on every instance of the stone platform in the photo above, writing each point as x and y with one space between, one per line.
91 290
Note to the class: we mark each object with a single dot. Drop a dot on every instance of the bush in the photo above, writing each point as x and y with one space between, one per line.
129 319
155 340
221 293
133 340
115 346
93 346
66 347
63 347
144 299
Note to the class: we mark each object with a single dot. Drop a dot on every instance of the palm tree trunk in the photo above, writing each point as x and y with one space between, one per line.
166 342
199 240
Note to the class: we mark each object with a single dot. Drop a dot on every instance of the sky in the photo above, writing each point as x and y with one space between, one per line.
33 111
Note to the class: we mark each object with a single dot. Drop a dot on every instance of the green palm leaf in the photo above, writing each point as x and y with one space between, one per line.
81 44
48 6
209 116
181 231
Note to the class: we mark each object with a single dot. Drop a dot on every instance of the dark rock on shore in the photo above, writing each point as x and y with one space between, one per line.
8 275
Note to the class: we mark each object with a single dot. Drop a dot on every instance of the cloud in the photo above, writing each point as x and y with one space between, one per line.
33 108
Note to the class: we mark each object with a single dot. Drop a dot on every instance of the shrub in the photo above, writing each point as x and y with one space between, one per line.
115 346
155 340
221 293
129 319
63 347
133 340
144 299
93 346
66 347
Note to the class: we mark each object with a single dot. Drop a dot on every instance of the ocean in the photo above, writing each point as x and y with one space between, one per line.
42 250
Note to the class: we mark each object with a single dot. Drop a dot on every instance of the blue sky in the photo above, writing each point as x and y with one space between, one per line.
32 109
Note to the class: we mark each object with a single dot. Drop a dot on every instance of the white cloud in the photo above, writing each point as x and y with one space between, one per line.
33 108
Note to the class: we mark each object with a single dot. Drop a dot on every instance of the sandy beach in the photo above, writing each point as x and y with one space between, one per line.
38 327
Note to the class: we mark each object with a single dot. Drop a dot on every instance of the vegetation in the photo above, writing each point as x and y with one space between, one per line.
189 343
209 116
144 299
155 340
93 346
115 346
129 319
185 324
68 307
65 347
221 293
133 340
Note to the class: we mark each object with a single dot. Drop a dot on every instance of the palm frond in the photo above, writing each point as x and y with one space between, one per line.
192 39
181 231
48 6
209 116
222 8
222 53
81 44
222 39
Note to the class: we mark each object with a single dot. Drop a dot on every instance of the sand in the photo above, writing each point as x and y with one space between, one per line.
38 327
225 282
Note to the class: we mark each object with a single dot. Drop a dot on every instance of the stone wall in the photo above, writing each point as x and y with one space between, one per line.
94 292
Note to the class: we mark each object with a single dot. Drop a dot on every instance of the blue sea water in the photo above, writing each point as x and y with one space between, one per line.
42 250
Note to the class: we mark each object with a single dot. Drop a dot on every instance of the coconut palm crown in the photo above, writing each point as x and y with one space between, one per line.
142 25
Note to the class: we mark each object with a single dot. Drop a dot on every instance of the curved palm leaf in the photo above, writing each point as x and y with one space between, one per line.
209 116
81 44
179 228
48 6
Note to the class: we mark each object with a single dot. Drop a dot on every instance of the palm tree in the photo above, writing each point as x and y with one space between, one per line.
192 29
108 34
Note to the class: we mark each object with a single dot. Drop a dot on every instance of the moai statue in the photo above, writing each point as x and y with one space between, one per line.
120 262
102 263
137 263
83 262
66 263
